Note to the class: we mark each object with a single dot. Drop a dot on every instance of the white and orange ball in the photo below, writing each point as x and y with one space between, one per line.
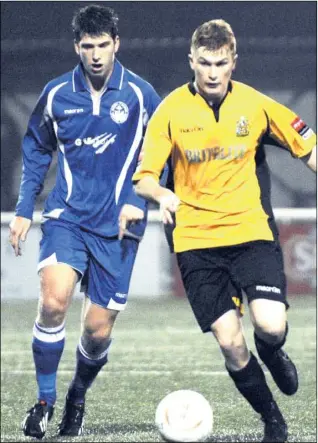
184 416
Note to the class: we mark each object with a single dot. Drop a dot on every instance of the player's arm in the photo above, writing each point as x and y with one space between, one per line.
37 148
157 149
135 206
288 130
312 161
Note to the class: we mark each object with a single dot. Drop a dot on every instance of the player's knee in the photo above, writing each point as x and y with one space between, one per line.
231 341
98 323
52 311
231 344
235 353
271 332
95 342
97 331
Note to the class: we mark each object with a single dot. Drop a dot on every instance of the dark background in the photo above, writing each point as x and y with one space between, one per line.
277 54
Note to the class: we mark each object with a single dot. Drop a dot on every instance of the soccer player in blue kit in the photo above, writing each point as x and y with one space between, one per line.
94 117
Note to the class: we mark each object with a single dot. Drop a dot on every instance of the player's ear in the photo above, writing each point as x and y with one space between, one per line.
234 62
117 43
190 58
76 47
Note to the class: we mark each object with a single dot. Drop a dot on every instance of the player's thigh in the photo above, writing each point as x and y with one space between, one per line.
62 260
258 268
57 283
62 242
208 285
106 282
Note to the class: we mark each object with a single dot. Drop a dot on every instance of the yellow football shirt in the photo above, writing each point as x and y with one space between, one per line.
219 167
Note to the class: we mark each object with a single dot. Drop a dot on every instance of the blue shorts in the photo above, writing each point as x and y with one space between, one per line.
104 264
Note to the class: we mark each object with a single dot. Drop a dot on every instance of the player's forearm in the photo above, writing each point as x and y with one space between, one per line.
312 162
35 167
29 189
149 189
26 203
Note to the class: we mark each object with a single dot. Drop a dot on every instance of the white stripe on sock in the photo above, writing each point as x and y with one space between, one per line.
49 335
50 330
89 356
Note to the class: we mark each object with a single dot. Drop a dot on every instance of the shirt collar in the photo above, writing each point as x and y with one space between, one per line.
194 91
115 81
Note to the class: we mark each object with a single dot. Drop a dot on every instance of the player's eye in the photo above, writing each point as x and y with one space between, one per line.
222 63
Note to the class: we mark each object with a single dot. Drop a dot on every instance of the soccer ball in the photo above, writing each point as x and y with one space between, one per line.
184 416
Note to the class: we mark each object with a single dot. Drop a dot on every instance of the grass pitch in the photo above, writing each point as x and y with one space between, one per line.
157 348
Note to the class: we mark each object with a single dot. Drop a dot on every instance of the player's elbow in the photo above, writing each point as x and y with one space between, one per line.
142 190
142 187
146 187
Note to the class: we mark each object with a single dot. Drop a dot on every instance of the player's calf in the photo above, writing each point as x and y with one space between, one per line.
88 366
279 364
251 383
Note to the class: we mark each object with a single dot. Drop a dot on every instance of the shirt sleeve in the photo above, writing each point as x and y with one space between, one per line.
38 145
287 129
157 144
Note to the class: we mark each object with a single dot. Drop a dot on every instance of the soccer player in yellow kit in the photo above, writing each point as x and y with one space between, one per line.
213 131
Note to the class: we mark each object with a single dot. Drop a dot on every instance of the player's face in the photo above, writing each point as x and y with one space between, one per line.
212 71
97 54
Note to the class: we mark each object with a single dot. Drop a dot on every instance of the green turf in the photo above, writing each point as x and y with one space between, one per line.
157 348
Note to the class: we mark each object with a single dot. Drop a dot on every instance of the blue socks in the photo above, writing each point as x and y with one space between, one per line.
47 347
87 368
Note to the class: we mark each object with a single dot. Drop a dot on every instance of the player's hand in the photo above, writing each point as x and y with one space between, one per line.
169 203
128 214
19 228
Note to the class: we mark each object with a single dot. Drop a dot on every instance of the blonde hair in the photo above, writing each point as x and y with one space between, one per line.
213 35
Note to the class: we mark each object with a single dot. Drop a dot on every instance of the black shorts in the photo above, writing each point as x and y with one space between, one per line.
212 277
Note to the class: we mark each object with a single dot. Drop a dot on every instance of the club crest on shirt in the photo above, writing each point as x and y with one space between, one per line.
119 112
242 127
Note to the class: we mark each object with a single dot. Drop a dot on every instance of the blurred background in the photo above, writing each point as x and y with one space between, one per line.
277 55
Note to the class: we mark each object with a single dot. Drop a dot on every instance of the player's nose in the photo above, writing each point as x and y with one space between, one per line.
213 74
96 56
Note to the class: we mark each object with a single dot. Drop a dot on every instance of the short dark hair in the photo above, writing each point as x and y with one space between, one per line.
95 20
214 35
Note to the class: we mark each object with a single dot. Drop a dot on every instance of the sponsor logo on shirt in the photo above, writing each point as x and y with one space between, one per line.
73 111
100 142
216 153
302 128
119 112
242 127
268 289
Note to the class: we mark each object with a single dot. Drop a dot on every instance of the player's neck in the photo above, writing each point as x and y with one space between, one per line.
97 85
215 102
